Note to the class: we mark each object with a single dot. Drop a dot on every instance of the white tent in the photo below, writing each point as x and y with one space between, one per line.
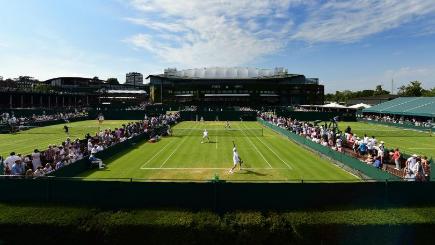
333 105
360 106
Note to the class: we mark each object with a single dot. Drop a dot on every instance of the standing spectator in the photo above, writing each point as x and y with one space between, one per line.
410 167
396 158
18 168
36 159
362 149
426 167
381 151
10 161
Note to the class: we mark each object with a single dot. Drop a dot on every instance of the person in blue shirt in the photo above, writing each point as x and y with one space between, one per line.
18 168
377 162
362 148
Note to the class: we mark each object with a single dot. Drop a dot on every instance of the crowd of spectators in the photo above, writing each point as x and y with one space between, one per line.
190 108
399 120
20 121
365 148
40 163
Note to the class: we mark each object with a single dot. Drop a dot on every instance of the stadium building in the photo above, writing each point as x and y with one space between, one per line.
219 86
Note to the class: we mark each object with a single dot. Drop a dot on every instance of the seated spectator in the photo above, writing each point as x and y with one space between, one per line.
377 162
369 160
48 169
98 161
39 172
29 173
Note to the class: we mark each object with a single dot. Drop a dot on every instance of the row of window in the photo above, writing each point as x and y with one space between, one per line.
180 92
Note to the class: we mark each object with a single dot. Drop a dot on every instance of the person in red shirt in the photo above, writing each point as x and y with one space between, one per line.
396 158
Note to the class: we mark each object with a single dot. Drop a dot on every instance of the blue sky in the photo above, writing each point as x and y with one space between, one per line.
347 44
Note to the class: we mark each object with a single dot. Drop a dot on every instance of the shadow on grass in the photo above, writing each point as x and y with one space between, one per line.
251 172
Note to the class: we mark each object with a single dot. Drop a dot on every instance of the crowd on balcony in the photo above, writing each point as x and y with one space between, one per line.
399 120
12 120
41 163
365 148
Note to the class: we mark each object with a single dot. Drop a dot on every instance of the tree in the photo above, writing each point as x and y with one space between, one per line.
414 88
380 91
112 81
44 88
429 93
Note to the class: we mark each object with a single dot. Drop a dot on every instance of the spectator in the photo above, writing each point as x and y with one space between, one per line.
18 168
410 167
377 163
362 149
10 161
36 159
98 161
396 158
29 173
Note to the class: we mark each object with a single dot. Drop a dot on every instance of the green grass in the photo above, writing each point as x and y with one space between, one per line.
408 141
39 138
266 158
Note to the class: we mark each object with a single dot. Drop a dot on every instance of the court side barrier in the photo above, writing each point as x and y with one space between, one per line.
215 196
397 125
369 171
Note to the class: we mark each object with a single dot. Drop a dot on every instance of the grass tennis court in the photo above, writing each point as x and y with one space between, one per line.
25 142
407 140
267 156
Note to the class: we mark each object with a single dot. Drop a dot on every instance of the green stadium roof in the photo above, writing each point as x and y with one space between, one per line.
407 106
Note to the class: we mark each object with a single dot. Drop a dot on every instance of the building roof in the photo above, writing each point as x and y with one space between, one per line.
407 106
225 73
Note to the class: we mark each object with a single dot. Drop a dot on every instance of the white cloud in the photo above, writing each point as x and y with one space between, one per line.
228 32
212 32
404 75
349 21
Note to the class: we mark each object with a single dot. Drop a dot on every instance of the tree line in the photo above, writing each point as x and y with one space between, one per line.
412 89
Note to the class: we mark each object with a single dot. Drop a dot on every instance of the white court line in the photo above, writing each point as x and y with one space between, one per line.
155 155
256 149
271 150
180 144
211 168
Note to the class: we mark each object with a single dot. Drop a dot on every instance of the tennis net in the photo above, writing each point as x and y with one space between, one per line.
250 132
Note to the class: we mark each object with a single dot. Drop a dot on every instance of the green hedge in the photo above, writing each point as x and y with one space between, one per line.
65 225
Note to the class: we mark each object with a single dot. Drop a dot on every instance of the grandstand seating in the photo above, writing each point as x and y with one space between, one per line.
407 106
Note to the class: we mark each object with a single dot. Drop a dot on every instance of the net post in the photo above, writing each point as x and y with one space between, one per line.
262 134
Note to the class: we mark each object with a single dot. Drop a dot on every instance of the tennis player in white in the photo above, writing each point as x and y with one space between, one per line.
236 160
100 119
205 136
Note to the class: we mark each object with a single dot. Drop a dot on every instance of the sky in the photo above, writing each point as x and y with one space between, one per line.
346 44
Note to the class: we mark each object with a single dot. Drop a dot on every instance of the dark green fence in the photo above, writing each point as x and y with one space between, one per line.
217 196
369 171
